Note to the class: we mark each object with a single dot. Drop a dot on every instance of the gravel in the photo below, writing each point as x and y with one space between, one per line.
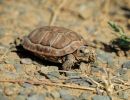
84 96
3 97
126 65
68 97
27 61
55 94
99 97
53 76
36 97
79 81
72 74
105 57
122 71
27 85
123 95
18 67
20 97
65 95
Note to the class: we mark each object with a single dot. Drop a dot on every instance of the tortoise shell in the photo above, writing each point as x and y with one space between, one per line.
52 41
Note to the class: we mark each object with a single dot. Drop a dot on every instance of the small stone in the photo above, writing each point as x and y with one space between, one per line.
53 76
55 94
2 49
36 97
11 90
10 74
116 87
123 95
126 64
79 81
9 61
97 69
19 97
105 57
65 95
99 97
44 70
18 67
24 91
52 68
124 77
2 31
72 74
3 97
27 85
26 61
68 97
84 96
64 92
122 71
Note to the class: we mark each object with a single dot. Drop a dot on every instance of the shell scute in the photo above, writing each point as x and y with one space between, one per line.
52 41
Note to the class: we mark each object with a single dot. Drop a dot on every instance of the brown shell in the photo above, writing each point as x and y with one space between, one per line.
52 41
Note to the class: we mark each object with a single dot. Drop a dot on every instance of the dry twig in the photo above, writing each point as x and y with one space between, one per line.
56 12
45 82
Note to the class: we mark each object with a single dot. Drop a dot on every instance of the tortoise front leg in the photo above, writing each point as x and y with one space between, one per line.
69 62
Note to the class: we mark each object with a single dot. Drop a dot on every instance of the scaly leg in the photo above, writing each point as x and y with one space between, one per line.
69 62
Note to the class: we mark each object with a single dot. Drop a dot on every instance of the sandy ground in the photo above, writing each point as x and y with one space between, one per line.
25 77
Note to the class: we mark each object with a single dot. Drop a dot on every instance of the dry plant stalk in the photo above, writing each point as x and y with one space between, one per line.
55 13
45 82
108 85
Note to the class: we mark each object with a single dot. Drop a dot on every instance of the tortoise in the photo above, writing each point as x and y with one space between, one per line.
60 45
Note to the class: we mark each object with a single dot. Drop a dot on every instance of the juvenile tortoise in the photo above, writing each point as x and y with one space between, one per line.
58 44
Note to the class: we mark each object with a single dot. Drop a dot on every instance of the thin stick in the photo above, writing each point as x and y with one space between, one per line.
121 90
55 13
49 84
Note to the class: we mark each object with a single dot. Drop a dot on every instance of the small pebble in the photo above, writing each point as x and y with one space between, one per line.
3 48
97 69
122 71
19 97
3 97
9 61
72 74
53 76
126 65
99 97
116 87
105 57
79 81
55 94
11 90
26 61
52 68
64 92
36 97
27 85
44 70
18 67
68 97
2 31
84 96
123 95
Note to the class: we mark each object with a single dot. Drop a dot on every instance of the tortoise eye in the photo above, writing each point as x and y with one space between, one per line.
81 51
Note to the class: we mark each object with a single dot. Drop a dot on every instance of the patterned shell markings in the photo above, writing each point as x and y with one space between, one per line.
52 41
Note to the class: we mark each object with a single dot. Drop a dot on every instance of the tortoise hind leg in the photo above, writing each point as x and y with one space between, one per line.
69 62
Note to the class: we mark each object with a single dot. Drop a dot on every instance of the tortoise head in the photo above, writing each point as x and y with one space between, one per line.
86 54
